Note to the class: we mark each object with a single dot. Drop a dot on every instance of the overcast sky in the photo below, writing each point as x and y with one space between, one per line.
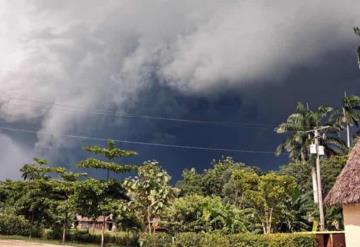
75 67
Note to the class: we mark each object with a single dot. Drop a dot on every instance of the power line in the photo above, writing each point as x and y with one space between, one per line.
136 142
149 117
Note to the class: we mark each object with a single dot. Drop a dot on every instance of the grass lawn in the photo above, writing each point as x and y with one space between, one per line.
53 242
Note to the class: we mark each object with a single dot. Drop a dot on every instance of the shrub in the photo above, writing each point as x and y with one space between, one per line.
118 238
214 240
122 238
191 239
188 239
11 224
159 240
290 240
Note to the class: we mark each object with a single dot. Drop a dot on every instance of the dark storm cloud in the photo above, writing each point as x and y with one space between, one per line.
98 56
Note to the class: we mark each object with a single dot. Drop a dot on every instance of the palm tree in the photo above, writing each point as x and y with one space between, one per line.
297 143
349 115
298 125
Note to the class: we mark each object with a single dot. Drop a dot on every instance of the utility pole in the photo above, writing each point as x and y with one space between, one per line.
314 184
317 149
318 175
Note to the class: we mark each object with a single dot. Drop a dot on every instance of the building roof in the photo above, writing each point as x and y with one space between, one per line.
98 219
346 189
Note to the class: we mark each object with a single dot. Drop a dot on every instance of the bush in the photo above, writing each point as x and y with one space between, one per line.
191 239
11 224
201 239
122 238
159 240
188 239
273 240
118 238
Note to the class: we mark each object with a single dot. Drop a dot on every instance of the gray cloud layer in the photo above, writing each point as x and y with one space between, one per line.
98 56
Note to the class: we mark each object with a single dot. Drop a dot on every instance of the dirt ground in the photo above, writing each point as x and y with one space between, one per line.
20 243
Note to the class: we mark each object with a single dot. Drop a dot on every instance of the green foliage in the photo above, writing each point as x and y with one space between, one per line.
37 170
203 213
95 198
191 182
273 199
188 239
269 197
330 169
109 166
298 141
211 181
159 239
110 152
305 210
11 224
217 207
150 192
100 197
214 179
241 184
237 240
118 238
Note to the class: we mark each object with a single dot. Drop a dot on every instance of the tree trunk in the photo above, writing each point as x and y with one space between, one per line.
348 135
103 231
31 224
266 222
348 141
270 220
149 220
64 229
263 227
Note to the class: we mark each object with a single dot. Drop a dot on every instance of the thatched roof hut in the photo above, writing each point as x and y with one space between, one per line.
347 186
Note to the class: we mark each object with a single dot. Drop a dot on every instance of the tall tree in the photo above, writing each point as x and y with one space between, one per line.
214 179
303 206
348 115
198 213
37 200
99 199
297 127
110 152
150 193
64 188
240 185
273 199
190 182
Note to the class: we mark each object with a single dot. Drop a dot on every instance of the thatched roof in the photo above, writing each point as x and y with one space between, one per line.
347 186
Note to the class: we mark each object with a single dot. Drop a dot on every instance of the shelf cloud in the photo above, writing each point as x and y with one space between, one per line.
97 55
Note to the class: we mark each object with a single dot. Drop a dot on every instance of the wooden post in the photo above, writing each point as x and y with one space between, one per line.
103 231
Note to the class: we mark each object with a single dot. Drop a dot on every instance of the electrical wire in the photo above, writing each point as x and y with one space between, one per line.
149 117
82 137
